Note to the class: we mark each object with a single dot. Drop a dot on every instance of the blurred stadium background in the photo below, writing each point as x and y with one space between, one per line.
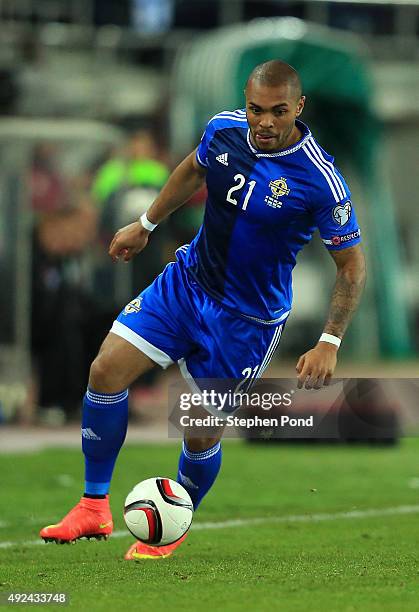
98 102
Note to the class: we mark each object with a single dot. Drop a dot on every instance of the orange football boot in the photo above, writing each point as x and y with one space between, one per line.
90 518
140 551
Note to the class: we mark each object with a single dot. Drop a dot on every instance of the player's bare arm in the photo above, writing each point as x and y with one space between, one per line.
315 368
184 181
350 282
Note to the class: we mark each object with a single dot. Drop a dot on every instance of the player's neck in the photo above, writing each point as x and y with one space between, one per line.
295 136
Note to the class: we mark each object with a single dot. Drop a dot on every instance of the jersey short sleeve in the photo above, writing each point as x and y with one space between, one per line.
202 150
334 213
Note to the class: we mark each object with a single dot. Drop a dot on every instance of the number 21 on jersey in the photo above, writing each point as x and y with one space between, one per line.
240 181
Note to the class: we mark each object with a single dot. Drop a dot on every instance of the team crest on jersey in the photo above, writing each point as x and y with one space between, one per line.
133 306
278 188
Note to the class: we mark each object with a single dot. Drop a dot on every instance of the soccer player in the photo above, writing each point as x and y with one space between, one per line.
220 309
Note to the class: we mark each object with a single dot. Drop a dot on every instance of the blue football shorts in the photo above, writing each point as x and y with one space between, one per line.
174 320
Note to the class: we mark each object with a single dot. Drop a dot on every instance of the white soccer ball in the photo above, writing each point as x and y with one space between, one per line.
158 511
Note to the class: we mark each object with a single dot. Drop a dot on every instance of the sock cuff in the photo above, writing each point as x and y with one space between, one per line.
201 455
96 488
106 398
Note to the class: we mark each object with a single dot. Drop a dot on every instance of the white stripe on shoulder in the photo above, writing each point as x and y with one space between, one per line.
239 112
319 155
316 154
241 119
323 171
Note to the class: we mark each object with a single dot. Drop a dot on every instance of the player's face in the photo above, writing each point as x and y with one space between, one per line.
271 114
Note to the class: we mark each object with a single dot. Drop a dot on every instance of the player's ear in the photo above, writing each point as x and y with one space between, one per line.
300 105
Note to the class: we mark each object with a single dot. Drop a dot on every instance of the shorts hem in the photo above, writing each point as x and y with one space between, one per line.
155 354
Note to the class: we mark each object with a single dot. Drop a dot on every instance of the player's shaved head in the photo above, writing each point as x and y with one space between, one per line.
275 73
273 103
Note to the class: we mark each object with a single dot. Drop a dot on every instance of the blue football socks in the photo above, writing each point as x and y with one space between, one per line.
104 427
198 471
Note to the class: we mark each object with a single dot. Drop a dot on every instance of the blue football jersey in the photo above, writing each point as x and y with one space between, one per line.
262 208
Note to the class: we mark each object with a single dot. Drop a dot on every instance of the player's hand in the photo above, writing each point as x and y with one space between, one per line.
315 368
128 241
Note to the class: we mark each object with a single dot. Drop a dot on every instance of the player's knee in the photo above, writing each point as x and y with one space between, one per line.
197 445
103 377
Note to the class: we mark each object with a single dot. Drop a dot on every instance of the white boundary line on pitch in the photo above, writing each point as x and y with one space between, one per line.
293 518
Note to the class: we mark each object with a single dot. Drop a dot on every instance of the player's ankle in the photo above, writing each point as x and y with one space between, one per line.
94 496
94 503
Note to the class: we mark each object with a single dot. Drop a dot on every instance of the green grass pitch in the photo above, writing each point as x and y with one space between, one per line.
304 553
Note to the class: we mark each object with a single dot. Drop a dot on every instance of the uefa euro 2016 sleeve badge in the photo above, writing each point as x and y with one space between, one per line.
342 213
